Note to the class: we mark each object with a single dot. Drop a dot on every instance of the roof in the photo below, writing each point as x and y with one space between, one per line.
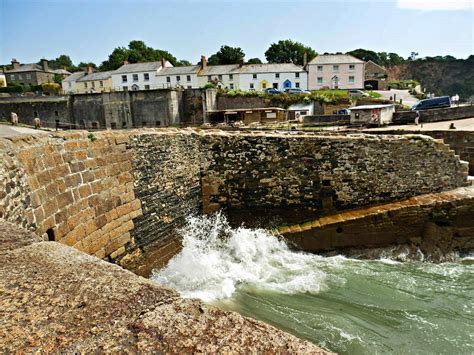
26 67
104 75
300 106
140 67
61 71
190 69
336 59
271 68
74 76
373 63
220 69
369 107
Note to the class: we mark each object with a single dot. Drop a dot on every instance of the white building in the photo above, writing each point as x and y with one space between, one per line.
225 76
335 71
69 83
372 114
279 76
138 76
175 77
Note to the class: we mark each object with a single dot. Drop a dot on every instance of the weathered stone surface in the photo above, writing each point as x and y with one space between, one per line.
437 224
56 299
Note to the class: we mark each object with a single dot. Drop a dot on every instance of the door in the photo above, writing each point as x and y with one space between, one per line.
287 84
335 82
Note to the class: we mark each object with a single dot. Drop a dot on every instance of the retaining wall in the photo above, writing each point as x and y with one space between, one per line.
442 114
113 194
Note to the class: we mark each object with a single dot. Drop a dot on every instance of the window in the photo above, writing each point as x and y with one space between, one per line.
251 86
93 84
188 78
190 87
101 84
20 77
277 75
352 67
320 79
135 77
231 76
113 125
56 113
85 85
146 77
297 85
320 68
209 78
12 76
335 68
125 88
28 76
220 77
168 79
231 86
69 84
178 78
147 87
95 125
124 78
35 113
351 79
124 124
264 85
297 75
255 76
158 123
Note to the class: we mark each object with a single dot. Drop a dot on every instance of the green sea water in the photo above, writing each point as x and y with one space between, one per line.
345 305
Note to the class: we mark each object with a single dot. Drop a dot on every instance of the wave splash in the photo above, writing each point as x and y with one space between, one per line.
216 259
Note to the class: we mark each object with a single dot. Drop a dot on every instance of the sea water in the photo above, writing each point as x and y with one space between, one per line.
346 305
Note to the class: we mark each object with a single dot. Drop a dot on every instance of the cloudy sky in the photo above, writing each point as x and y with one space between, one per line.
88 30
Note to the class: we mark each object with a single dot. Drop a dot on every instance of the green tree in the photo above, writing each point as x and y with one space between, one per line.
136 52
254 61
227 55
366 55
395 59
288 51
183 63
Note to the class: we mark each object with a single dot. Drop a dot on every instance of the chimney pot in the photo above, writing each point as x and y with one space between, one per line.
305 59
203 62
15 63
44 64
163 62
89 69
125 62
241 62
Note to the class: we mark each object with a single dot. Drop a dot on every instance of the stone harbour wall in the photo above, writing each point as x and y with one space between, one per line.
112 194
325 173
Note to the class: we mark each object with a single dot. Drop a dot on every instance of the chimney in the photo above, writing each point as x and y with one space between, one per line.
15 63
125 62
163 62
241 62
305 59
4 69
203 62
44 64
89 69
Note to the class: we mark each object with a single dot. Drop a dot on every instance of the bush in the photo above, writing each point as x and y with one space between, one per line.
403 84
51 88
209 86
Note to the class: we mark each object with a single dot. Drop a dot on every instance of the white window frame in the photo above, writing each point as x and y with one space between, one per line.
335 67
135 78
319 68
124 79
351 67
146 77
319 80
351 79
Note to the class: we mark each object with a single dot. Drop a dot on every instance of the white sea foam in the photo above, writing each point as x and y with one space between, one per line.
216 259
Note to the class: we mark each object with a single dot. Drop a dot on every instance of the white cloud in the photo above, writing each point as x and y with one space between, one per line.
428 5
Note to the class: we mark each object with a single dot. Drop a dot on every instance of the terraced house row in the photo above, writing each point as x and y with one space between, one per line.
331 71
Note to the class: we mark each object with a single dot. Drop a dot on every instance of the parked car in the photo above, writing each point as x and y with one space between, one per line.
435 102
344 111
296 91
359 93
272 91
368 87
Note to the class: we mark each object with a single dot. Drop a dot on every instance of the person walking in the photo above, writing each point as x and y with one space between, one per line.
417 117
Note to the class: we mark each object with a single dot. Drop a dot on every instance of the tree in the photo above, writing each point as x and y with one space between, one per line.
395 59
413 56
288 51
365 55
136 52
254 61
227 55
82 65
183 63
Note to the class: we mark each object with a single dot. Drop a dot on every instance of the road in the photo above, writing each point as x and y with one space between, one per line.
407 99
466 124
10 131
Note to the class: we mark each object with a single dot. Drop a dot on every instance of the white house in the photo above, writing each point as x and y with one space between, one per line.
69 83
138 76
226 76
279 76
173 77
335 71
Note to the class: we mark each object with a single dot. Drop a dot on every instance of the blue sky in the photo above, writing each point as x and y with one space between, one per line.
88 30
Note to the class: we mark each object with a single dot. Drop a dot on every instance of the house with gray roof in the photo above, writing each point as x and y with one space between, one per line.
183 77
87 81
29 74
138 76
335 71
281 76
